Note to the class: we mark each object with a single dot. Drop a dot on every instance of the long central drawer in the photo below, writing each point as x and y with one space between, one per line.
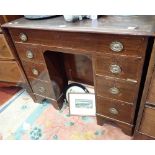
88 42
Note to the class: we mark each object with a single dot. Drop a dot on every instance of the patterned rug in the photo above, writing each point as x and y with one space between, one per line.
22 119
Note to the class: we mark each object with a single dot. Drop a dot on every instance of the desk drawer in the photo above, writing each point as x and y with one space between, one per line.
29 52
10 72
42 88
147 125
37 71
113 44
5 52
114 109
116 89
118 66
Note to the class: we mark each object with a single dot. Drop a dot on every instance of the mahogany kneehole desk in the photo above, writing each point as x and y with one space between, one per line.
100 53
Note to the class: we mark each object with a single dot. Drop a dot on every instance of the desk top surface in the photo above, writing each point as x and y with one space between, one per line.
126 25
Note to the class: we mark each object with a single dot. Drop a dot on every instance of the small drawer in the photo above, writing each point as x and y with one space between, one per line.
123 45
5 52
114 109
118 66
29 52
42 88
37 71
147 125
116 89
92 42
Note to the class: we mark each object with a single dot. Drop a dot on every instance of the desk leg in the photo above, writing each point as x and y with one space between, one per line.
126 128
99 120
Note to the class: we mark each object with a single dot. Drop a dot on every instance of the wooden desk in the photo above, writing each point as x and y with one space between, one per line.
108 53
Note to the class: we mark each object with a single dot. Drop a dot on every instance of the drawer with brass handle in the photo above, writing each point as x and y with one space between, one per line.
29 52
116 89
38 71
118 66
42 88
102 43
114 109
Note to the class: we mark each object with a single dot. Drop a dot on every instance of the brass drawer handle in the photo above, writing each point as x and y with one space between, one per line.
116 46
42 89
23 37
35 71
115 69
29 54
113 111
114 90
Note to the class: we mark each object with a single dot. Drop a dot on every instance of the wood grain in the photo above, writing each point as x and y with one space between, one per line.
146 89
124 25
141 136
79 68
37 84
127 90
130 66
42 99
36 50
124 110
151 93
41 68
5 52
148 122
81 52
9 72
82 41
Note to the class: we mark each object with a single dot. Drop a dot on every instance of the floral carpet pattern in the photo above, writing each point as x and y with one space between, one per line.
25 120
